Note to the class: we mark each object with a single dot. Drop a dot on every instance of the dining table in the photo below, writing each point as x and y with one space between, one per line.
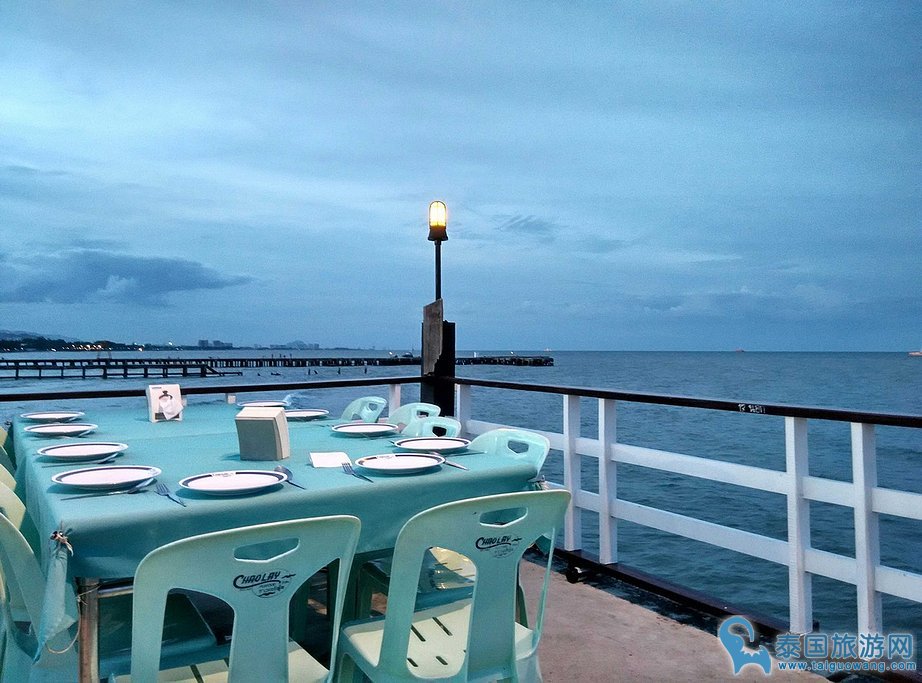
91 541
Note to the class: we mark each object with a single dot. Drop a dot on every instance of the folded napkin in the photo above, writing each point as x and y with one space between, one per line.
329 459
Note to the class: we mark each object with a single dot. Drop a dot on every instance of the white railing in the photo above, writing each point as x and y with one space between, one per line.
862 495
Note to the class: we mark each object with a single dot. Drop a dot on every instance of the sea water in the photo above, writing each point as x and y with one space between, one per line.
879 382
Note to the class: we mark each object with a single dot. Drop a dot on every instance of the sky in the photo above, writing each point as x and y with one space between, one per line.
618 175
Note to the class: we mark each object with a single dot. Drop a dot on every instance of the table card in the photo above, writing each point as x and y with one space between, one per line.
263 434
164 402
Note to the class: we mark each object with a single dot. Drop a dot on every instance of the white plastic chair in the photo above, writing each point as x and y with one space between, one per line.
230 565
407 413
24 585
448 574
472 639
365 409
427 426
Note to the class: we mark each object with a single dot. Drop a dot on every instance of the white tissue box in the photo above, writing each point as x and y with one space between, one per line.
263 434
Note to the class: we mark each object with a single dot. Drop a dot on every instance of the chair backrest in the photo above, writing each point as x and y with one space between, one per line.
514 443
366 409
495 550
409 412
6 441
22 574
230 565
6 474
448 426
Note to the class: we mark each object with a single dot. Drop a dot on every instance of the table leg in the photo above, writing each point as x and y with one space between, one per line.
88 635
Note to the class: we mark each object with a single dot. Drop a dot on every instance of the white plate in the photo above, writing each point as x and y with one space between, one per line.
62 429
306 413
106 477
234 482
82 451
53 416
365 428
439 444
263 404
400 463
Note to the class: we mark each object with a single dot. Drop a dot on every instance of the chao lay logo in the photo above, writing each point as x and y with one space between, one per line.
265 585
498 546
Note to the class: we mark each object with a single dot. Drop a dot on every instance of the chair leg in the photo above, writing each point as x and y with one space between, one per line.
347 671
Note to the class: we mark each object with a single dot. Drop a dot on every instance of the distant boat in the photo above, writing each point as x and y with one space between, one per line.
915 353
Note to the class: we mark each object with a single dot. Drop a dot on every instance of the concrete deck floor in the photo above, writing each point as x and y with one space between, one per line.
593 636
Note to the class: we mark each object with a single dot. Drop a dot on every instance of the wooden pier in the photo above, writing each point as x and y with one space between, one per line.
124 368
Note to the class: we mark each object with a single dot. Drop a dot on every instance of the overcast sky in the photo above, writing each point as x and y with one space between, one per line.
642 175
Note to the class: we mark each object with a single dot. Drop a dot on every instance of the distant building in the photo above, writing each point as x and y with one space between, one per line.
203 343
218 344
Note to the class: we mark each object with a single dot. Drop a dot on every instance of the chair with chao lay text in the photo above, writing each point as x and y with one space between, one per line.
476 637
365 409
409 412
449 574
256 570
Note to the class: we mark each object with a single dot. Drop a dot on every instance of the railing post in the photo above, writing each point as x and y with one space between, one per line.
572 481
608 483
463 403
393 397
800 582
867 535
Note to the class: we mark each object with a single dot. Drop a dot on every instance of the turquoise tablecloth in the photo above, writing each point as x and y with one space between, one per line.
110 535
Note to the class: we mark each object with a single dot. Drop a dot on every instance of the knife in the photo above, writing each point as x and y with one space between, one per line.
137 488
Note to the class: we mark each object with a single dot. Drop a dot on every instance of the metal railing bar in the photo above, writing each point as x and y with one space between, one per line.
209 389
760 478
898 582
829 491
831 565
897 503
745 542
777 409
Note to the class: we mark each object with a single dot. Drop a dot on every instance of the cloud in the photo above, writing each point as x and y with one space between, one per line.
93 275
528 225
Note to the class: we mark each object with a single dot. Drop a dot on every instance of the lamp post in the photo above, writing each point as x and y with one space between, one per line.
438 222
438 347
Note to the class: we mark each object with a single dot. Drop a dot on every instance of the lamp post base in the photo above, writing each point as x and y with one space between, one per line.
438 359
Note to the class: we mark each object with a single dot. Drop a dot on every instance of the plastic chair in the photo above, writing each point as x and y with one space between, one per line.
24 585
6 477
365 409
230 565
6 441
447 426
472 639
407 413
448 574
514 443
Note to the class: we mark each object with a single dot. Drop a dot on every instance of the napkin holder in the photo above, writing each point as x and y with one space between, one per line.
263 434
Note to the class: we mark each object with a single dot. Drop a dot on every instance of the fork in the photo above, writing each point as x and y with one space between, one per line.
163 490
347 468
